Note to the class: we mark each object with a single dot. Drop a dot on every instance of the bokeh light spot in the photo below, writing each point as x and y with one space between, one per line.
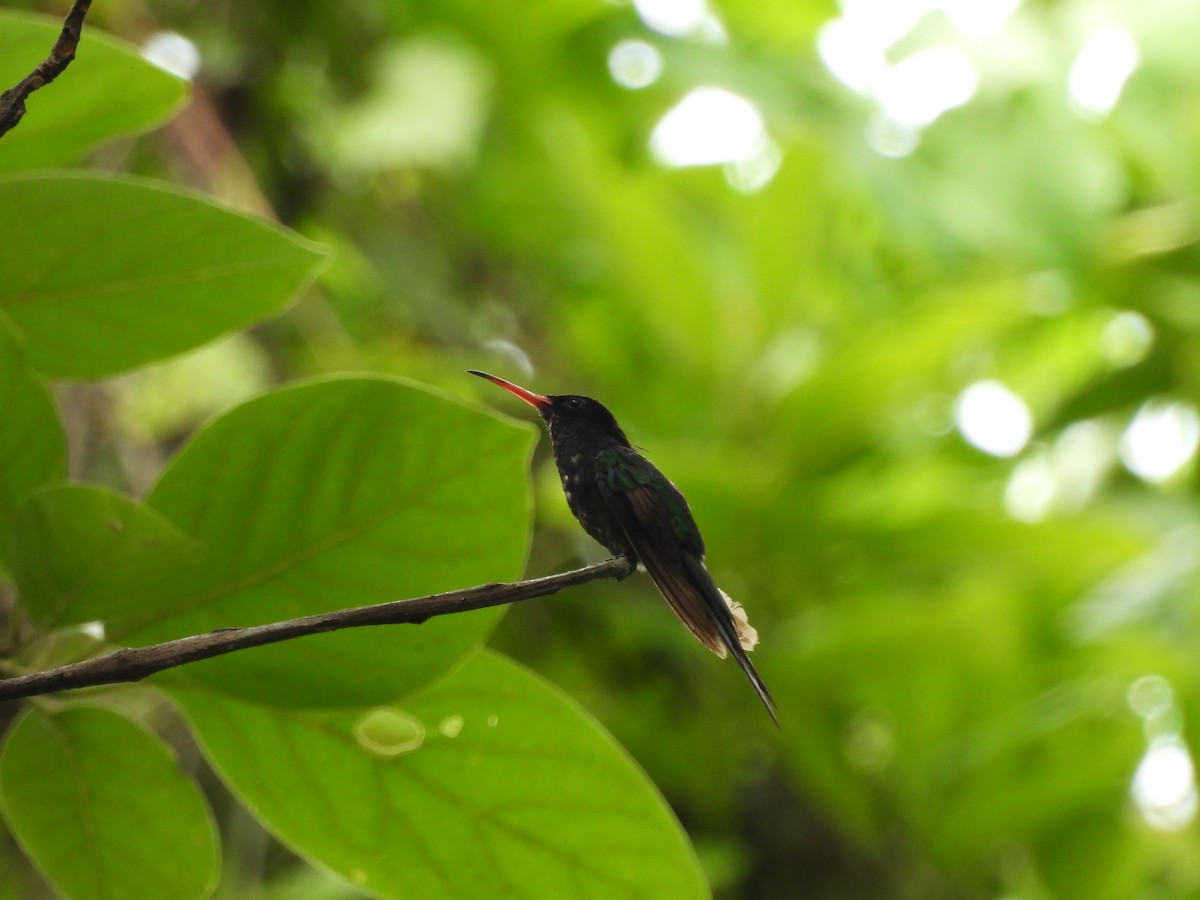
173 52
993 419
1064 477
635 64
1164 785
1150 695
681 18
1100 71
1126 339
1160 440
1029 494
979 18
851 54
890 138
752 174
917 90
709 126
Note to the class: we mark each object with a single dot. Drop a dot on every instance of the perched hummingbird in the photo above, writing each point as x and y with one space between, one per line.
623 501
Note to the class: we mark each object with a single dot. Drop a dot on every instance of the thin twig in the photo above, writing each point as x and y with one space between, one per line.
12 101
136 663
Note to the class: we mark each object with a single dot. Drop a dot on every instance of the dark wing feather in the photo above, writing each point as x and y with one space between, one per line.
655 517
643 515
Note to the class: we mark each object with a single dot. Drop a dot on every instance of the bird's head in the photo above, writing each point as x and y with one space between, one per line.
566 412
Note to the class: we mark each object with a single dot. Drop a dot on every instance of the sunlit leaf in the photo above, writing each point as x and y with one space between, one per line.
487 784
135 271
334 494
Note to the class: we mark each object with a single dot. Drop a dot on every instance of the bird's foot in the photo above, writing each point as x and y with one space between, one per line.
629 566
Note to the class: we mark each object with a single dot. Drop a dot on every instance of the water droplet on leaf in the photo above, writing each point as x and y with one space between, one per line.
386 731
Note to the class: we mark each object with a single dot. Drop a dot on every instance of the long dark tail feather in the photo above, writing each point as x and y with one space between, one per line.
760 687
756 681
722 618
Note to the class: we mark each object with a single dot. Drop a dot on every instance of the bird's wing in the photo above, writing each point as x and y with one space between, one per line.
655 517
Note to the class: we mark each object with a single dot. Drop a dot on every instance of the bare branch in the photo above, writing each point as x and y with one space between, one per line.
12 101
136 663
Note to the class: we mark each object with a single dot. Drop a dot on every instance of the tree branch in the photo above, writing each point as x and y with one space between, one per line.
136 663
12 101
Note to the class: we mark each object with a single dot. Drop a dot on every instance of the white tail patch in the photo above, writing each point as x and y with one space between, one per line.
746 634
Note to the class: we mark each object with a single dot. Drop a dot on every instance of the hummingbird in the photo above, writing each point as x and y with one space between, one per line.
623 501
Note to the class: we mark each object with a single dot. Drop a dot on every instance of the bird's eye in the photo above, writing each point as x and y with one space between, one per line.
575 403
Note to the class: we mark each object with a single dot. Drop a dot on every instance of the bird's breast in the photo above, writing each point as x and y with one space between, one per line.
577 474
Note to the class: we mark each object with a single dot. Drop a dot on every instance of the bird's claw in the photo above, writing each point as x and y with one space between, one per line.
628 567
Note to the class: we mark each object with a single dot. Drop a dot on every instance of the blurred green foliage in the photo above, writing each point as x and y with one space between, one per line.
977 657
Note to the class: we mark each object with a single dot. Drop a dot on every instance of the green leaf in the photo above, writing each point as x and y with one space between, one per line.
488 784
83 554
101 274
333 494
109 90
100 805
33 449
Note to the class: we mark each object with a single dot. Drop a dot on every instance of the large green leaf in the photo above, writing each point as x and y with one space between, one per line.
333 494
109 90
33 449
488 784
100 274
101 807
83 553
